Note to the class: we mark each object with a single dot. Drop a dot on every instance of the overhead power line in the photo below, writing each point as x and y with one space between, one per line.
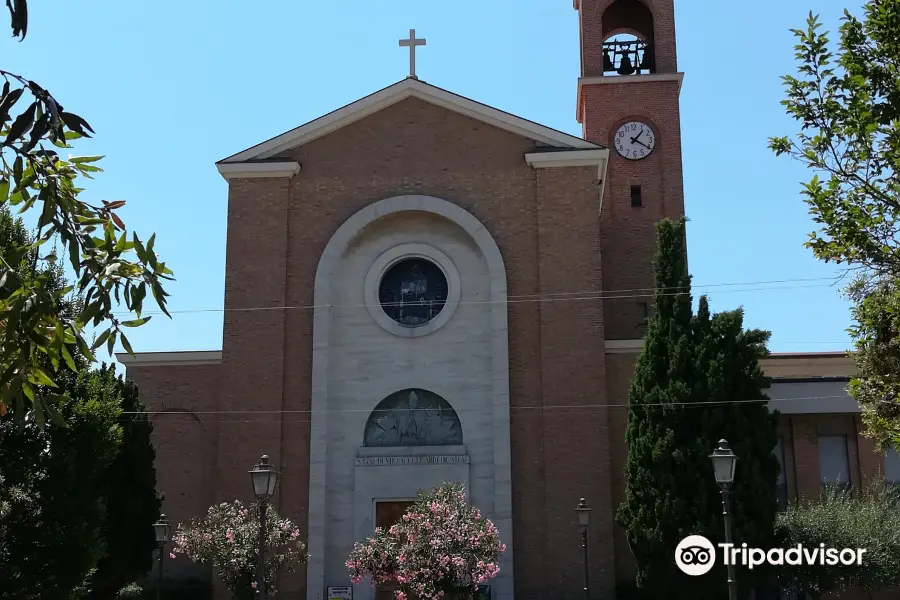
276 415
539 298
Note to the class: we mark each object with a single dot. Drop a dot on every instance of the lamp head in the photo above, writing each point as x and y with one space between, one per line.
264 478
161 529
724 463
584 513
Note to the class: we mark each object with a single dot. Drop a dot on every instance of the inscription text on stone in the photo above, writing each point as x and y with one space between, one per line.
370 461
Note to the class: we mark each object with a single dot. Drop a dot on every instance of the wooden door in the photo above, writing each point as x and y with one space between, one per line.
386 515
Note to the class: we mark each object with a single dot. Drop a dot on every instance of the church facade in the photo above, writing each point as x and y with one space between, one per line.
413 295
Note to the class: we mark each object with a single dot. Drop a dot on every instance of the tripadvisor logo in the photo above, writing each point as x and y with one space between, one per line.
696 555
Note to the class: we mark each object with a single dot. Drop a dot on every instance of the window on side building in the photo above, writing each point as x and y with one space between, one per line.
834 462
892 470
781 488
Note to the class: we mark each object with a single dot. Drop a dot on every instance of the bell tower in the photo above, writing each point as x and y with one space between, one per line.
628 101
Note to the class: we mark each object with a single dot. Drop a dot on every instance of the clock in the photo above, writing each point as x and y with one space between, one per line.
634 140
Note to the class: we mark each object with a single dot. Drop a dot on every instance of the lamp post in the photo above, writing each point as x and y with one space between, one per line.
724 462
584 517
161 529
264 478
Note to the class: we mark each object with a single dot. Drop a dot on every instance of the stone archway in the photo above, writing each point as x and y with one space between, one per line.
336 248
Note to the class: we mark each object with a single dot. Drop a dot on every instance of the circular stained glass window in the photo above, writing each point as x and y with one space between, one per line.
413 292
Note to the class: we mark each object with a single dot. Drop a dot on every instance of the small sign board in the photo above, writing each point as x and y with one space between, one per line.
340 592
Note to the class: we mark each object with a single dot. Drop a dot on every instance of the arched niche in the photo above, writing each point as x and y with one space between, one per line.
627 31
412 417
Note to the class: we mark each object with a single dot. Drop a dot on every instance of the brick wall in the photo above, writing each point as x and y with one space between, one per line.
627 233
184 436
416 148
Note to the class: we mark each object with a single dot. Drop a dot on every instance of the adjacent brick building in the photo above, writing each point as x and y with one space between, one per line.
412 295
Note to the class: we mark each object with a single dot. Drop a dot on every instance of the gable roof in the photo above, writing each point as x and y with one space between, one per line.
408 88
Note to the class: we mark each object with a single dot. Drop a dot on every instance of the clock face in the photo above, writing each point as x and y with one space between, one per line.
634 140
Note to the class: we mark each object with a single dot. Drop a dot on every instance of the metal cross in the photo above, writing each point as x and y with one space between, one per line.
412 42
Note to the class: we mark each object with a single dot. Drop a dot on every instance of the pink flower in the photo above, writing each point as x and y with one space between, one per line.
253 585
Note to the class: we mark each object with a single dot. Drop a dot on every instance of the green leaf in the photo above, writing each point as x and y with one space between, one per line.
111 342
137 297
91 220
39 417
67 356
83 347
9 100
47 213
127 345
55 416
40 376
100 339
22 124
85 159
26 389
93 309
136 322
160 296
138 246
76 123
4 190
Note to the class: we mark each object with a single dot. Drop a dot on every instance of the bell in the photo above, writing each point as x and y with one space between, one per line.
625 67
645 61
607 62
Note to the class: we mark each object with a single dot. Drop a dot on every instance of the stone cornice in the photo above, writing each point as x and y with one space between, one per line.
252 170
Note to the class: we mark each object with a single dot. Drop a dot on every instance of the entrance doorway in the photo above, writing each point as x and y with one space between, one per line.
386 515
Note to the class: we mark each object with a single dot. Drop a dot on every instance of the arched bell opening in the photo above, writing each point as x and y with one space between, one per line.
628 39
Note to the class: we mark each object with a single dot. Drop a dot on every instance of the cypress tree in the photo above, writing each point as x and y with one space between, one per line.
132 504
680 405
729 356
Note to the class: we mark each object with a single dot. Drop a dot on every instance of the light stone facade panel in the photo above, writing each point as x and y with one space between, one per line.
357 363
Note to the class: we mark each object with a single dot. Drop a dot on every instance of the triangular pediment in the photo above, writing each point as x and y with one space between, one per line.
408 88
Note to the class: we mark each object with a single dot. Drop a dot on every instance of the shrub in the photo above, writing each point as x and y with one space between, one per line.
130 591
443 547
228 538
838 519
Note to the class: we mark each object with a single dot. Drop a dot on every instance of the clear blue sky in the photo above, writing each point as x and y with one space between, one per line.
171 87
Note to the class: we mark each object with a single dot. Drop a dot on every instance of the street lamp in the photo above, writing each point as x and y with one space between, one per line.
584 517
161 529
724 462
264 478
